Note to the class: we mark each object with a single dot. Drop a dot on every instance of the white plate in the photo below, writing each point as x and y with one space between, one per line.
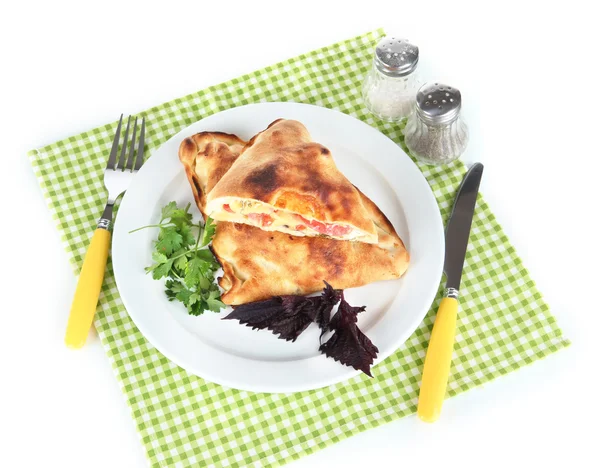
230 354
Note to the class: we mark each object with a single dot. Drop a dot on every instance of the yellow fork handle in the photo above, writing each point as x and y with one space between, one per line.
88 290
438 361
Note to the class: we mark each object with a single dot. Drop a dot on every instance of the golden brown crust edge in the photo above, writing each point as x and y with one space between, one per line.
218 151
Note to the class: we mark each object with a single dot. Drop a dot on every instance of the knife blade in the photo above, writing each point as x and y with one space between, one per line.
459 226
439 352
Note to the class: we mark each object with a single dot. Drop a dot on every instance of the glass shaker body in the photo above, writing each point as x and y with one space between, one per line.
391 84
436 144
391 98
435 132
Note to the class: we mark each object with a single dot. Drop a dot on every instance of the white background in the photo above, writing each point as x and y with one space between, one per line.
531 92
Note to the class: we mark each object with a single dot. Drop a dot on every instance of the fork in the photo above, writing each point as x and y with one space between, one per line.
117 177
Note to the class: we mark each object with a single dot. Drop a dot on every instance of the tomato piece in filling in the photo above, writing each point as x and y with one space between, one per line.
262 219
321 228
316 225
327 229
337 230
226 207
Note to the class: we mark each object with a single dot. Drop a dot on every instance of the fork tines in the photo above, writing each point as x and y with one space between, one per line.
131 162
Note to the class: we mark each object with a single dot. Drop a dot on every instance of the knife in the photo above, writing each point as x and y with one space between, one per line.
439 352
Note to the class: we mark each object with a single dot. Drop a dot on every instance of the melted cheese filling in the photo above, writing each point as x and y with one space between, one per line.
268 218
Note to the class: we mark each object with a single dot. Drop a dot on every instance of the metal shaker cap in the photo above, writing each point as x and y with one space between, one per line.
396 57
438 103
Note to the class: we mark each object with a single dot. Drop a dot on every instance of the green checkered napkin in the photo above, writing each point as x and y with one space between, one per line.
184 420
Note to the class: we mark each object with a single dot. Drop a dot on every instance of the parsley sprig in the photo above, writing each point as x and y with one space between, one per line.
181 256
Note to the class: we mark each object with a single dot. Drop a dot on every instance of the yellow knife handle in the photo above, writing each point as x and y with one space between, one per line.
88 290
438 361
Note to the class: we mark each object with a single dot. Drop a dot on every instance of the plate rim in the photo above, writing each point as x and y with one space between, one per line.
270 387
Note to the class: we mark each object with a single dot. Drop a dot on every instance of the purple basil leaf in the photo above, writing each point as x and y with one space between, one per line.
348 344
324 305
285 316
256 314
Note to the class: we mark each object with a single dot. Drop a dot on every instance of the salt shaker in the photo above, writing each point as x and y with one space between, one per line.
435 132
390 86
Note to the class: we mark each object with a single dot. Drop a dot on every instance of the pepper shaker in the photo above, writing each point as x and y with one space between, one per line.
435 133
389 88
